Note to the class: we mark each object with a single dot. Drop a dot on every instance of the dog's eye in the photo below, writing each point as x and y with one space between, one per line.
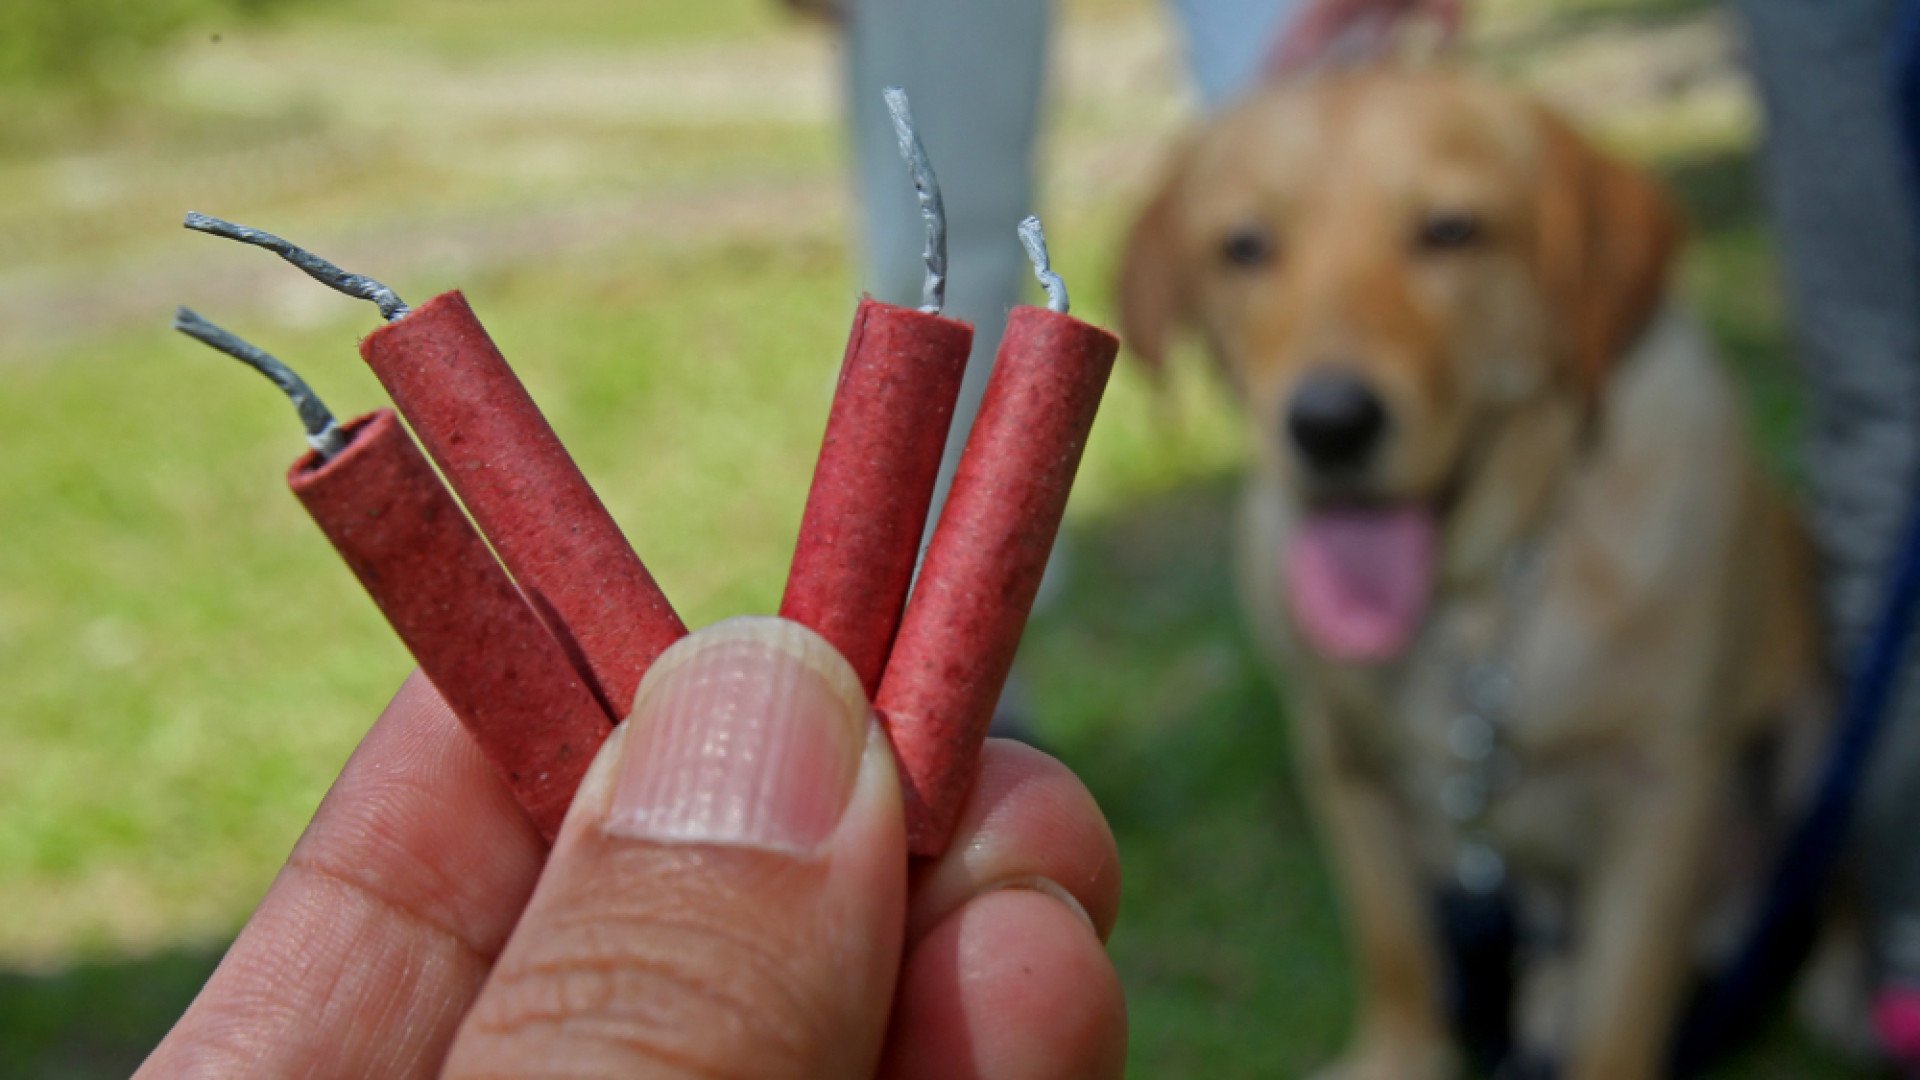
1249 246
1450 230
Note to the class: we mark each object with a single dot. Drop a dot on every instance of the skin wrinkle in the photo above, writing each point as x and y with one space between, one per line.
688 1063
688 928
641 998
438 892
768 969
408 1052
236 1036
633 1056
339 971
583 989
404 1054
411 944
634 1000
387 803
346 877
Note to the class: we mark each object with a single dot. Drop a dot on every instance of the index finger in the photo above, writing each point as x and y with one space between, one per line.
380 929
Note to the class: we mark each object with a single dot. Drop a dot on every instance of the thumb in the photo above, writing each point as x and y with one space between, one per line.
726 897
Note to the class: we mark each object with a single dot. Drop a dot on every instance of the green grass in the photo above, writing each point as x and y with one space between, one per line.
186 664
464 30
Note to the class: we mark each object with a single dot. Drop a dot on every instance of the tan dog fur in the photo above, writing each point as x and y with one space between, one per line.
1543 386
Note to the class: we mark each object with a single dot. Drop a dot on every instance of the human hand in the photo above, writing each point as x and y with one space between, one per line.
729 896
1366 27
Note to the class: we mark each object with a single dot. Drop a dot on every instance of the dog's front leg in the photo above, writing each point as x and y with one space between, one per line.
1635 944
1401 1031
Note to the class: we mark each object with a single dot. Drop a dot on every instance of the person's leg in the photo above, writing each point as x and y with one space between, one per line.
974 72
1840 190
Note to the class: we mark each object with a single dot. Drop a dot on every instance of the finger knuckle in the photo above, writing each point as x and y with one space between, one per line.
672 986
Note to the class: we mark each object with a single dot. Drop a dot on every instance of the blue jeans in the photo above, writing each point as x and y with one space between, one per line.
1844 213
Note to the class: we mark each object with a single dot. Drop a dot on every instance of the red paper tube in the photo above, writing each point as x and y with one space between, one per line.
976 588
503 459
867 510
501 672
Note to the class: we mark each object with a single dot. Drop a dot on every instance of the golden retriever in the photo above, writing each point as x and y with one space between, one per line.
1539 612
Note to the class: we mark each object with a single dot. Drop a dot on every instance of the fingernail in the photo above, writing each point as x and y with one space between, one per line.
747 733
1049 887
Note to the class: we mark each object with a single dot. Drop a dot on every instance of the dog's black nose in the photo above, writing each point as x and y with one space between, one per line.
1335 420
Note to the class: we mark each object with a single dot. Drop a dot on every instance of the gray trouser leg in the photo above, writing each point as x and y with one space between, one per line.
1228 42
1840 189
975 71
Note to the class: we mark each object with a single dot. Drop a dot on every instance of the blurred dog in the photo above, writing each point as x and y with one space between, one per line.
1548 634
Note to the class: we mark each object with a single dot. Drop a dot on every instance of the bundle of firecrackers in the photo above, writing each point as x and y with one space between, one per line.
535 620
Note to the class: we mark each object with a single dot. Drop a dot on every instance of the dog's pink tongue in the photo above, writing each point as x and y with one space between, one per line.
1359 579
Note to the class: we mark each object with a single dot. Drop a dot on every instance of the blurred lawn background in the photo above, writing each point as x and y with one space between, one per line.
646 203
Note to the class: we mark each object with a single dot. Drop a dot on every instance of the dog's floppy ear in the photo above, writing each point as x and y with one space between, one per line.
1608 235
1155 291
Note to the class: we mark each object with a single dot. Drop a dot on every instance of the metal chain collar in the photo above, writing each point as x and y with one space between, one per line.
1485 767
